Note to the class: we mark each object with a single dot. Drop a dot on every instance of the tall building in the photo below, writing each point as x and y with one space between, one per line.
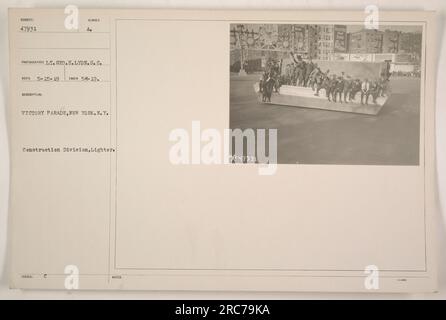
312 41
390 41
366 41
325 43
410 42
331 39
251 43
285 36
340 39
299 38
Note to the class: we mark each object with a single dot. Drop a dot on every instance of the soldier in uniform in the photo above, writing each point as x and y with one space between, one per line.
365 91
375 90
339 88
348 86
309 67
312 79
297 59
268 86
295 74
302 68
322 81
262 80
332 83
356 87
382 86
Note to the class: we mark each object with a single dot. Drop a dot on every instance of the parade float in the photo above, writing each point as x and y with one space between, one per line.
305 97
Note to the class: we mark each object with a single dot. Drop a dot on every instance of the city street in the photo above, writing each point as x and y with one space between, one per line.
311 136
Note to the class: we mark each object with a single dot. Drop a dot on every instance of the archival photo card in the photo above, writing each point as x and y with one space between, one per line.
222 150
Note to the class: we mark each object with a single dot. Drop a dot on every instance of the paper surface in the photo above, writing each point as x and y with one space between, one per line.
98 190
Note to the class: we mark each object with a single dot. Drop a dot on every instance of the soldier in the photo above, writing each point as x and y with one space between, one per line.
382 86
262 80
356 87
348 86
291 75
340 84
277 83
365 91
286 76
374 90
295 74
297 59
302 68
277 67
313 76
322 81
268 84
332 83
308 69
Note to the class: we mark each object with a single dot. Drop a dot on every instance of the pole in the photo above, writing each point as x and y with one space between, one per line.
242 71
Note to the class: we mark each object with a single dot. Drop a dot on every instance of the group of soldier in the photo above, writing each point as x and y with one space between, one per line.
338 88
344 88
298 72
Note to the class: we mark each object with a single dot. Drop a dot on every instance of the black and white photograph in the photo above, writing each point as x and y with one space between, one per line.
337 94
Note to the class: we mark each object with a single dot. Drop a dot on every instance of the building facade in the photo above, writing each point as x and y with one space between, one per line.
251 43
390 41
325 42
366 41
410 43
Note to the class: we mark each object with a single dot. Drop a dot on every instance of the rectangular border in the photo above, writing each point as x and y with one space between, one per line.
422 98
